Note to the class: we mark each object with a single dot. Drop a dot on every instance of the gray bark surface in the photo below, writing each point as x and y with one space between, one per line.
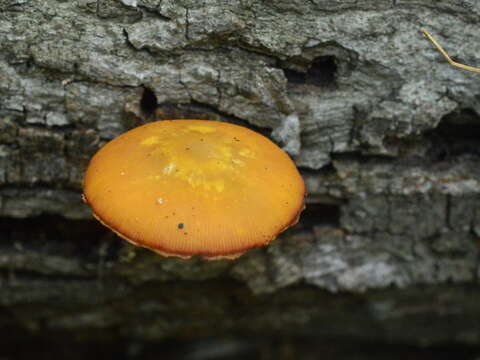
385 132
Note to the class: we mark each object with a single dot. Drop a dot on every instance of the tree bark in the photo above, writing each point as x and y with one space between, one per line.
385 132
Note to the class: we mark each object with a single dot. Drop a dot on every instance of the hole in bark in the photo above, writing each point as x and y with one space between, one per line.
52 234
322 72
320 214
148 103
457 134
295 77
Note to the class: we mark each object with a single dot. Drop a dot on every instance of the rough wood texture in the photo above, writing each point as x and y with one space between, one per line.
387 135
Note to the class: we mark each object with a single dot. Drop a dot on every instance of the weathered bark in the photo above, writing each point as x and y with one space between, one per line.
386 133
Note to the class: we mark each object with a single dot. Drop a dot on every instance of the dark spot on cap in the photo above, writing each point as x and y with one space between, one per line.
180 225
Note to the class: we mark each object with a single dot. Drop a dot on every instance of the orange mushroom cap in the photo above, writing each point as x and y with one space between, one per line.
194 187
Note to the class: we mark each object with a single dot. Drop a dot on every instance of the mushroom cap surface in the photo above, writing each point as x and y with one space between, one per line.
194 187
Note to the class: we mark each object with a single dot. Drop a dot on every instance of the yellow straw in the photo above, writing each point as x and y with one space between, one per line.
444 53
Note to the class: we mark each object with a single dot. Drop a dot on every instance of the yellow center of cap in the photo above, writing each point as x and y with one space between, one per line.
200 156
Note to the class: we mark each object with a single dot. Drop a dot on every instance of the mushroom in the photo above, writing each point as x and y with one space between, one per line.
194 187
